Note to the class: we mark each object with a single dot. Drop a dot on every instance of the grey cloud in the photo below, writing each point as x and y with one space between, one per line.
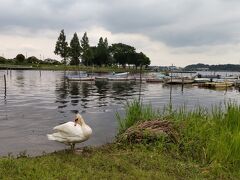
190 23
176 23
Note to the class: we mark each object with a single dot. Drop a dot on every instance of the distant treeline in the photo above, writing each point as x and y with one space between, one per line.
220 67
101 55
20 59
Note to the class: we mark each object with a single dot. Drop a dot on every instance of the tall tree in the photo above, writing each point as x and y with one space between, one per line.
85 42
141 60
122 53
105 43
87 54
102 52
61 47
75 50
95 55
108 60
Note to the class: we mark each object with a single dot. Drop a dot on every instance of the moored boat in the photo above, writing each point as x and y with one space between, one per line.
80 77
225 84
179 81
156 78
121 77
202 80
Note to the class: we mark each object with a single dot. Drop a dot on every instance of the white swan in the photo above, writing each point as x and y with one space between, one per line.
71 133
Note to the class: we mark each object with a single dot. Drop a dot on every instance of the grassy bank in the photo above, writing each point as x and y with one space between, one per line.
210 138
108 162
206 146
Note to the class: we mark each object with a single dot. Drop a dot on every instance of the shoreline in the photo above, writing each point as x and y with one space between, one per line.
68 68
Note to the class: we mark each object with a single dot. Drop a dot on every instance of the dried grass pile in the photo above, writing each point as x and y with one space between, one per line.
150 131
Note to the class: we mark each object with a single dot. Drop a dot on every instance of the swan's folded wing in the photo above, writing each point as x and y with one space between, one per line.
69 129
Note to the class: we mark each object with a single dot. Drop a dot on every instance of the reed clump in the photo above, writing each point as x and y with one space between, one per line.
135 112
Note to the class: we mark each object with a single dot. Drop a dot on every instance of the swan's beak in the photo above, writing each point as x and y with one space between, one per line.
78 121
75 122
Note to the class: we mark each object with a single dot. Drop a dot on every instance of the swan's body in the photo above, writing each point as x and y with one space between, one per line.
71 132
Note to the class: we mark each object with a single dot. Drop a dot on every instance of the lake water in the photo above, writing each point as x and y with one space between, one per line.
37 101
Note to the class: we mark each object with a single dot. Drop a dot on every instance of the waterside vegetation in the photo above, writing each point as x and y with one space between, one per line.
171 144
209 138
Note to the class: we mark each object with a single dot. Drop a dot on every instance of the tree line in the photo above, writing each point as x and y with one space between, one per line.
219 67
20 59
80 52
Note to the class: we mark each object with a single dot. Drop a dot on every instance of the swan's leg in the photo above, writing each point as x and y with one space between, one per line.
72 146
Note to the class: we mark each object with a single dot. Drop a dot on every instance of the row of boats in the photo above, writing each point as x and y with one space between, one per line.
209 81
82 76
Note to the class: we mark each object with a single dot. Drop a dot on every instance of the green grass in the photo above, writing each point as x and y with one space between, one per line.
135 112
108 162
210 138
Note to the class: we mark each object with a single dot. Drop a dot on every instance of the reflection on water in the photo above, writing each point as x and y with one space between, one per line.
37 102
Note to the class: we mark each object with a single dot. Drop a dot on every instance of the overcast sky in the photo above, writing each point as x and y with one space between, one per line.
178 32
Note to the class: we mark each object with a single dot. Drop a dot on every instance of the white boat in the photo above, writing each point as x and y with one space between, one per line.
202 80
121 77
80 77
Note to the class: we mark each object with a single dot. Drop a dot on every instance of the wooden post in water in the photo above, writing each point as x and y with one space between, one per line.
140 89
182 81
170 98
5 84
171 73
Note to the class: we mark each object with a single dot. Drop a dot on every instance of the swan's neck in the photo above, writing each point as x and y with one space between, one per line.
87 131
82 122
